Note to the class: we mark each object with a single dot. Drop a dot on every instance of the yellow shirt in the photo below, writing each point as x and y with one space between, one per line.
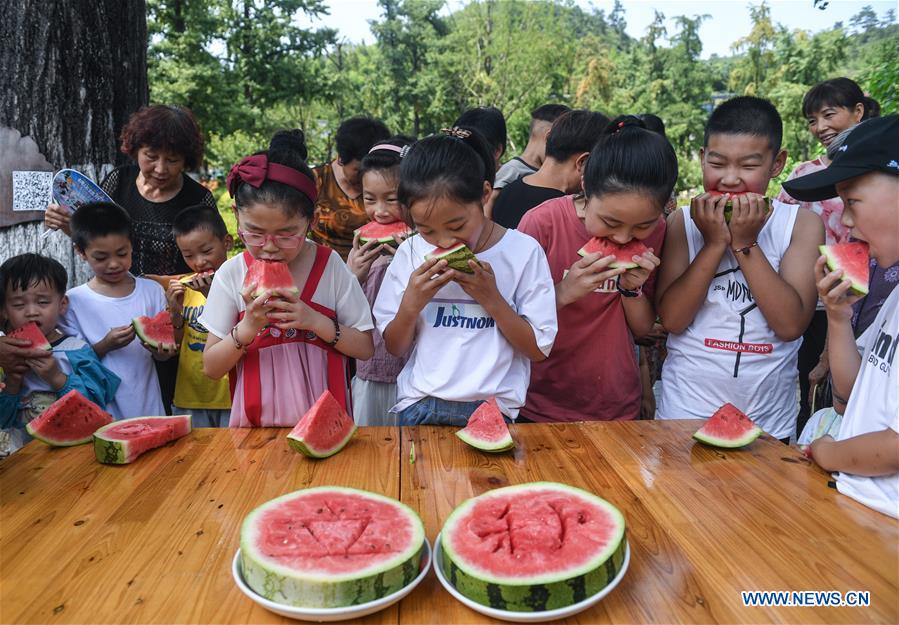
192 388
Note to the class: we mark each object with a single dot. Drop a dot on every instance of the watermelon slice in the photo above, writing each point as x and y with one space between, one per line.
330 547
456 256
265 275
383 233
533 547
728 427
70 420
123 441
157 332
729 205
324 430
190 280
853 259
624 254
31 332
486 429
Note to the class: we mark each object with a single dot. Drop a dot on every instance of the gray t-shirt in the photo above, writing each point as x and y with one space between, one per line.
512 171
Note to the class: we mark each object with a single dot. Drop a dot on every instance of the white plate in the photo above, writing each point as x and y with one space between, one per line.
527 617
323 615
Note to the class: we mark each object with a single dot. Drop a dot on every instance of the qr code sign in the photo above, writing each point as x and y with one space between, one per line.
31 190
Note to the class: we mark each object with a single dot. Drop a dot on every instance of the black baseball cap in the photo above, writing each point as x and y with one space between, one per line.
873 145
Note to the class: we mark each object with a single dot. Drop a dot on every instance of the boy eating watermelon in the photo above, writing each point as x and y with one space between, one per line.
32 298
865 452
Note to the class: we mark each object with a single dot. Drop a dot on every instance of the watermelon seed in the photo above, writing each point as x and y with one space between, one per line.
130 581
91 559
139 601
79 522
180 553
21 492
59 608
199 533
220 506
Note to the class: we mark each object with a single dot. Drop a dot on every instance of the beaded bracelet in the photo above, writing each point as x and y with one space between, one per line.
237 343
336 333
745 250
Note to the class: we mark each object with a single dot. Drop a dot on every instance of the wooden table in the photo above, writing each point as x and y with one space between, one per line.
152 542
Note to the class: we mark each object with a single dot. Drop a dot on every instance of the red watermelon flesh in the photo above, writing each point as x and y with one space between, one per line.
266 275
324 430
383 233
157 332
729 206
70 420
728 427
486 429
123 441
623 254
853 259
31 332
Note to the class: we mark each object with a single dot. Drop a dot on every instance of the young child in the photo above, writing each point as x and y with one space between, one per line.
203 239
287 349
101 310
474 334
866 451
628 178
33 289
735 297
374 386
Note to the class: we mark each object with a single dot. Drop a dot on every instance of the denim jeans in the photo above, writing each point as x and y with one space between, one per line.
434 411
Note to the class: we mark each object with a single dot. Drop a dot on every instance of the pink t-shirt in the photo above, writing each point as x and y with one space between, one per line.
591 373
830 211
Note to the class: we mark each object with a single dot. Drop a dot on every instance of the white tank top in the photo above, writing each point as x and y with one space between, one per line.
729 353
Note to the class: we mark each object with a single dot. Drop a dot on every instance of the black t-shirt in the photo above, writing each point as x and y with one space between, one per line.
155 251
517 198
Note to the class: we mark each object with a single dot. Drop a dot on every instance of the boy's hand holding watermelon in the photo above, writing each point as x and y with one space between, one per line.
47 368
116 338
707 212
834 292
747 219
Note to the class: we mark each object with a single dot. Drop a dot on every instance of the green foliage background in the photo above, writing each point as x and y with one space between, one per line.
247 69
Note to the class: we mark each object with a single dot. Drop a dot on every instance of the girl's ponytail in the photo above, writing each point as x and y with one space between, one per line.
628 158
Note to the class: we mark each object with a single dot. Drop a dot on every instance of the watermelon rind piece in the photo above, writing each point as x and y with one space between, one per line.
486 415
74 411
308 428
706 434
147 327
456 257
729 205
633 248
294 586
857 276
538 592
190 279
31 332
383 233
157 431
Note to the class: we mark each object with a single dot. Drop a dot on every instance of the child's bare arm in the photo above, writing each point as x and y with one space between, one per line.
221 354
786 298
872 454
423 284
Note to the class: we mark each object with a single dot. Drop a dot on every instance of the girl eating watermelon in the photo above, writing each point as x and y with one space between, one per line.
475 321
287 348
601 248
374 245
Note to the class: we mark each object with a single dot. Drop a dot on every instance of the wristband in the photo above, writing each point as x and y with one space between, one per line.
336 333
745 250
234 338
629 293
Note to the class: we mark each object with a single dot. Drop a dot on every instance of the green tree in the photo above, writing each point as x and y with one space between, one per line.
749 73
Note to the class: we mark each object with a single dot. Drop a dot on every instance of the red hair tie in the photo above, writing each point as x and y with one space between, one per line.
254 170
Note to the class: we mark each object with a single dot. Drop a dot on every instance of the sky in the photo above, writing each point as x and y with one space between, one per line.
729 19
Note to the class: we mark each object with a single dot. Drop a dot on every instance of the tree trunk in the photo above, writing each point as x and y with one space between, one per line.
71 73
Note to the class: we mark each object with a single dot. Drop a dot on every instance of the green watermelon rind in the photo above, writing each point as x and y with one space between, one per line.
142 334
505 444
729 443
282 585
41 343
301 446
456 257
535 593
833 263
402 231
109 451
56 442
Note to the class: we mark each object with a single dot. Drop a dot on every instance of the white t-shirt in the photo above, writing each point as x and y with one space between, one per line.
874 406
92 315
338 290
459 352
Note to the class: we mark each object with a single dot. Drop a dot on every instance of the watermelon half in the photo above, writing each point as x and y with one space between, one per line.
728 427
383 233
70 420
624 254
330 547
457 257
853 259
31 332
487 430
157 332
533 547
324 430
123 441
264 275
729 205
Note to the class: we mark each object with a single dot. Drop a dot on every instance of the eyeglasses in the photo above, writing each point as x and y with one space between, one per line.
282 241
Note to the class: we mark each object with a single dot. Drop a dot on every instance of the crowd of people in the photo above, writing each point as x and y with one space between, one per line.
728 300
